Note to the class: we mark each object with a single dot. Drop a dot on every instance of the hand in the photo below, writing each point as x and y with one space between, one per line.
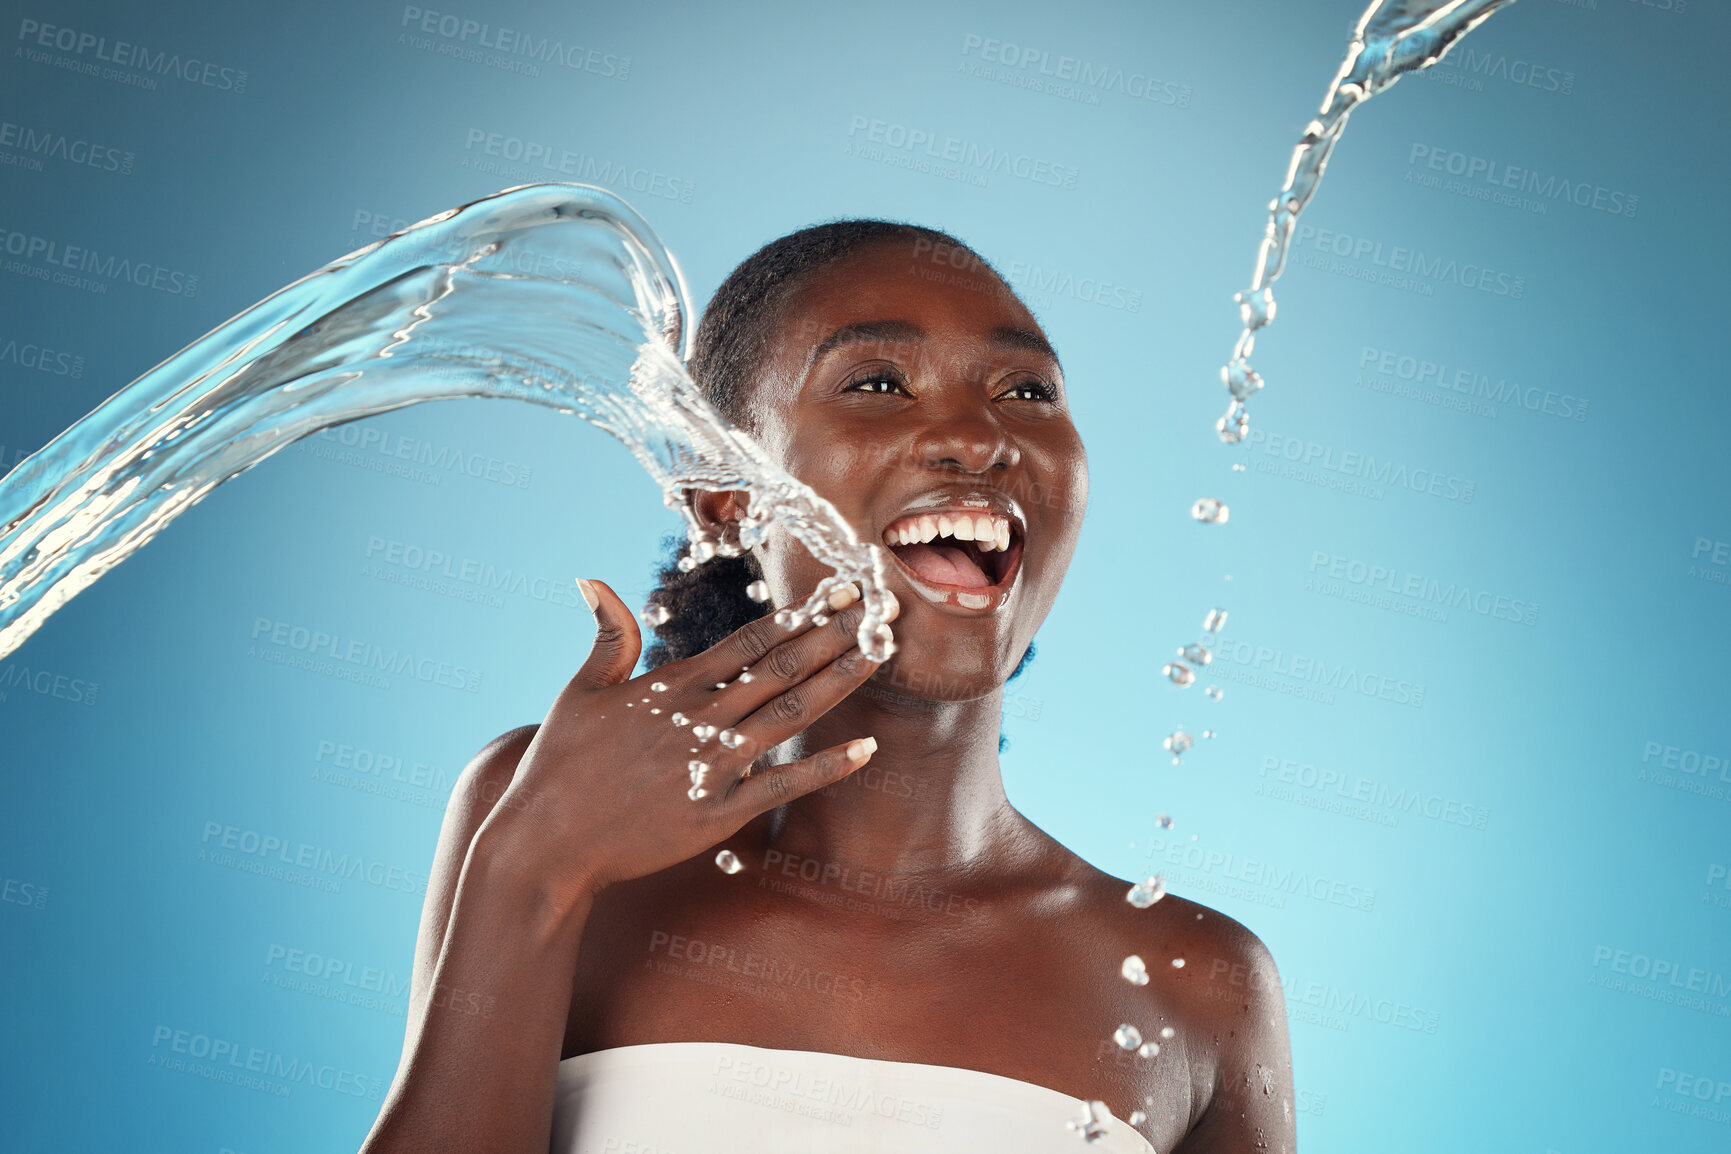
642 774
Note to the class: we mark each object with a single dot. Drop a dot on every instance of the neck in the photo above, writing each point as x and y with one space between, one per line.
930 801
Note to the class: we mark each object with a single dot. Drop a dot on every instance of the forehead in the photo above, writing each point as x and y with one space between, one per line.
910 283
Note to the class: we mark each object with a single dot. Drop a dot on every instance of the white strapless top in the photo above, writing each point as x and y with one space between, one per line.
728 1098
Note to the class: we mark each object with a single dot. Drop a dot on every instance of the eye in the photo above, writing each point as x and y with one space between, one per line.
1029 390
882 381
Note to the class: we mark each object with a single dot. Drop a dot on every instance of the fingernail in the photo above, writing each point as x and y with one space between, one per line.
858 751
895 606
588 590
843 597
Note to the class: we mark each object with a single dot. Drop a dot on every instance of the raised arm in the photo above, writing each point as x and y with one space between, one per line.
546 817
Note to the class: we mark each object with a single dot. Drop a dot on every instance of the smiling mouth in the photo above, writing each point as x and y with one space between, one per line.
958 556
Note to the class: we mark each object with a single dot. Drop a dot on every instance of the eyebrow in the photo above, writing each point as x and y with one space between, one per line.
864 332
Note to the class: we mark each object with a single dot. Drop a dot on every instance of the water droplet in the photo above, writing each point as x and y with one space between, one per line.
685 564
1234 425
758 591
704 549
1211 511
820 619
1168 1033
1164 821
731 739
1145 893
703 732
1092 1127
1134 971
786 618
1179 675
745 677
1196 654
1240 379
658 687
1127 1036
728 863
696 793
654 615
1178 963
721 685
1137 1118
1215 621
1149 1050
1215 692
1208 734
655 711
1178 744
1238 468
696 768
680 719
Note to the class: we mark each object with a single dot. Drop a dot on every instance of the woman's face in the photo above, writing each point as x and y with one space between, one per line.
926 404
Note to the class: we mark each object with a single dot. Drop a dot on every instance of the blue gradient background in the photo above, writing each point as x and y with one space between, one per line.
1500 940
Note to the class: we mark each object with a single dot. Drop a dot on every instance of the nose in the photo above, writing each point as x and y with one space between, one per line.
969 440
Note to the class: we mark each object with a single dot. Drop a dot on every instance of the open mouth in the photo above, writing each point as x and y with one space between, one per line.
957 555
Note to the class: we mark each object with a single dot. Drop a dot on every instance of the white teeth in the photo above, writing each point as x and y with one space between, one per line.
973 600
988 533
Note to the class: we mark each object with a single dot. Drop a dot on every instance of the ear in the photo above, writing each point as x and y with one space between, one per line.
719 513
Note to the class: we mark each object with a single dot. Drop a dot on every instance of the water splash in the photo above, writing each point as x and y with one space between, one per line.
1392 38
557 294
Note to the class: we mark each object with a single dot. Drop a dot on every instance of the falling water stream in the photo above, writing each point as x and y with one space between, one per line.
561 295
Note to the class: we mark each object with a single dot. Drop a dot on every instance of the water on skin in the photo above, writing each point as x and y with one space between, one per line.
450 309
557 294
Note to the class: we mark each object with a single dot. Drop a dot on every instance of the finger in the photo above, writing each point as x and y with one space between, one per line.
617 638
746 646
780 784
795 709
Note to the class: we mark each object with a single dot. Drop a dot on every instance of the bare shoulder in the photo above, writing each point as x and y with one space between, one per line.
1214 984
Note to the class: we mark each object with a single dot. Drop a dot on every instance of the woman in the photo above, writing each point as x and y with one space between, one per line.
904 961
